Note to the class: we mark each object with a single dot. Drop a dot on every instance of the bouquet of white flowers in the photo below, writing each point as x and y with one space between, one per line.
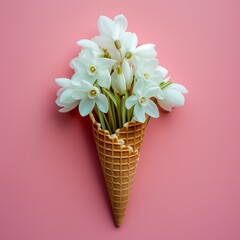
120 85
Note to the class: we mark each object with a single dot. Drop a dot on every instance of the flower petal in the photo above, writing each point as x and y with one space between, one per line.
139 113
129 41
130 101
86 86
150 65
102 102
145 51
66 97
104 42
164 105
58 102
159 74
105 63
104 78
173 97
105 26
78 94
119 83
121 24
151 109
69 107
127 71
163 70
63 82
178 87
86 106
60 91
77 77
152 89
138 87
78 62
88 44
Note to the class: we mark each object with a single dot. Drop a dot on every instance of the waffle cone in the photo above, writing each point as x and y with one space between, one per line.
119 155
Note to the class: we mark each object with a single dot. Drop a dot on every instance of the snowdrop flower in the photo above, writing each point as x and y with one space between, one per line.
111 31
141 101
77 61
92 68
173 96
89 96
88 44
119 81
114 61
64 98
91 45
133 53
122 78
151 71
128 73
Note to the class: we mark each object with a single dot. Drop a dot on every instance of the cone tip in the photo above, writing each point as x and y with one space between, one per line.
118 223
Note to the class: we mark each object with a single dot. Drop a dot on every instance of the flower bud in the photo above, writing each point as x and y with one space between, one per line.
128 55
117 44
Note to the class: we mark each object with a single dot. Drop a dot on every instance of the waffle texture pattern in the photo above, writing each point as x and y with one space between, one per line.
119 155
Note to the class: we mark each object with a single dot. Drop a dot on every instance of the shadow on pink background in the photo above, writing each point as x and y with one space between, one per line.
187 181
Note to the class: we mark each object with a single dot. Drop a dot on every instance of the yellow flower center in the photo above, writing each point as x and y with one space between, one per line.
93 93
92 69
142 100
106 54
145 75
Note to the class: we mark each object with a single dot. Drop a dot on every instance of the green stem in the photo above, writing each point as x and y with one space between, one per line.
114 117
119 116
128 115
118 109
164 84
123 110
127 110
112 120
109 115
106 121
100 115
148 119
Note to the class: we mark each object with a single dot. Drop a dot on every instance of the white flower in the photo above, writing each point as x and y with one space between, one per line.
143 91
133 53
119 81
110 31
89 96
64 98
93 46
88 44
122 78
92 68
76 62
173 96
128 73
151 71
114 61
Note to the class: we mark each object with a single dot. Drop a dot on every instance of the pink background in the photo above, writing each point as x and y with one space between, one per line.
187 181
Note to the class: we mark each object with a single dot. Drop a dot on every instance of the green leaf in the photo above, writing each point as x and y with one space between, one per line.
100 115
106 121
123 110
118 108
111 96
117 98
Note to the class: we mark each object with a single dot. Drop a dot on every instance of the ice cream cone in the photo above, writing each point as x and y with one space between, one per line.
119 155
